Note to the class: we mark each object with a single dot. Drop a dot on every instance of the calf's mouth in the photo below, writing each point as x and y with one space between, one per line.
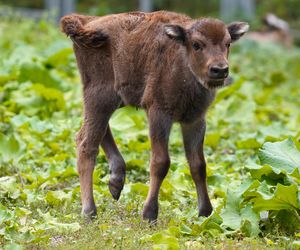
219 83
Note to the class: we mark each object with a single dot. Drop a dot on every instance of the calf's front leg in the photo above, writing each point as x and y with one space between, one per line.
159 125
193 137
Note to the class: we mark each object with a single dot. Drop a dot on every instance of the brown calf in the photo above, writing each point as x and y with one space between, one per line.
166 63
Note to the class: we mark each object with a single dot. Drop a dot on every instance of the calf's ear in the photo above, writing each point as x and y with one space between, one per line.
237 30
175 32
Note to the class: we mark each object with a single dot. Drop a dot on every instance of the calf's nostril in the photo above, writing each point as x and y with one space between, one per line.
215 70
219 72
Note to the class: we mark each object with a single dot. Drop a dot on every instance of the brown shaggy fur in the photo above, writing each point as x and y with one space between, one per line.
164 62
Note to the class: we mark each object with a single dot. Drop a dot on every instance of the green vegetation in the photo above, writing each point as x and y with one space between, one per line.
252 150
287 9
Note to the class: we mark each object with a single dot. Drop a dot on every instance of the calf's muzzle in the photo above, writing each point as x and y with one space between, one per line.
218 72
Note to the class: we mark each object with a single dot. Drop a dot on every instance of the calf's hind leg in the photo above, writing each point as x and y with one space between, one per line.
100 102
116 164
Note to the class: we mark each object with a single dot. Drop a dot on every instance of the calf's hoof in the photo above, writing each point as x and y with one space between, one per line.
115 186
205 210
150 212
89 213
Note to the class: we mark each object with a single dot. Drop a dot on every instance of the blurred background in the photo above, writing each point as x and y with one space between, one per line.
253 11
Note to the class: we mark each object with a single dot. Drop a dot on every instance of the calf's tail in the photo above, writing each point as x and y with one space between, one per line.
74 27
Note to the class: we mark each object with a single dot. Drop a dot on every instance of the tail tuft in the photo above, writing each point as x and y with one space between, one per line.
73 26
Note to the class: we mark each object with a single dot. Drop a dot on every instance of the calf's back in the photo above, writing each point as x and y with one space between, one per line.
138 59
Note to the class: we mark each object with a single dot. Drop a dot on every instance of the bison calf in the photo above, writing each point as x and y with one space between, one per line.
164 62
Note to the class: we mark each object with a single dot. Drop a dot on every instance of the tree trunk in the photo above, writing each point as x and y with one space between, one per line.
146 5
59 8
237 9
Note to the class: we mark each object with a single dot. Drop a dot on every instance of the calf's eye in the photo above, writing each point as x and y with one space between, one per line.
228 45
197 46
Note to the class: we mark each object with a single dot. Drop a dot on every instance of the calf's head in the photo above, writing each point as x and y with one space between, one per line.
207 43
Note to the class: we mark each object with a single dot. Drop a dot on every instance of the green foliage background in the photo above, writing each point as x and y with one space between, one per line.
252 150
286 9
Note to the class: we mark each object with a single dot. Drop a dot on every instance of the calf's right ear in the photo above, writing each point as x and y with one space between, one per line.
237 30
175 32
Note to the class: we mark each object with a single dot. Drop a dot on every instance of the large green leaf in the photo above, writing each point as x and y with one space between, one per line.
50 94
13 246
122 121
163 240
37 73
58 197
58 53
9 187
211 224
250 221
284 197
236 216
231 213
281 156
51 222
9 147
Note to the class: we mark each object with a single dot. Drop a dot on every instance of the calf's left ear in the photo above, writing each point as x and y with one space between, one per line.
237 30
175 32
